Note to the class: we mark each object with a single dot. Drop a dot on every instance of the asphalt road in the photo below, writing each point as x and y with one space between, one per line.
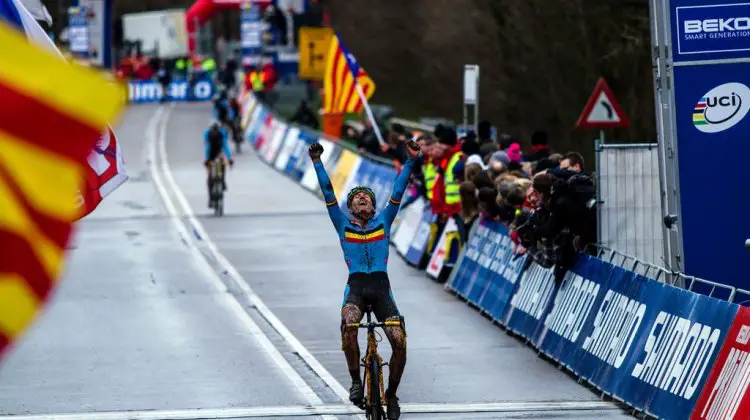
169 312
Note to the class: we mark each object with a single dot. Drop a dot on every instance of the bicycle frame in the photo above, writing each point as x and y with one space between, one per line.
373 359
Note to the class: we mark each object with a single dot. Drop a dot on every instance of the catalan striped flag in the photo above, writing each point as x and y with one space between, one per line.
106 169
51 115
343 73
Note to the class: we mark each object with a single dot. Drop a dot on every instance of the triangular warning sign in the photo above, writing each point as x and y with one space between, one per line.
602 109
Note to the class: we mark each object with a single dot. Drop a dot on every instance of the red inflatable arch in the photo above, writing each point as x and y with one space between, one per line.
202 10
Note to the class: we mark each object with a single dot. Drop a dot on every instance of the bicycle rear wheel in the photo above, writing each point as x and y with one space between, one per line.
218 196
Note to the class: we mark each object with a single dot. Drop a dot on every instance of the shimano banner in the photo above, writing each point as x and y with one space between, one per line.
711 50
149 91
529 304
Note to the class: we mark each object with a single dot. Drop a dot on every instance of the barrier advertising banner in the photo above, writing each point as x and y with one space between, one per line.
408 223
148 91
725 393
468 266
287 147
252 125
479 279
711 50
504 272
265 137
440 255
274 145
419 243
532 298
645 342
575 306
299 160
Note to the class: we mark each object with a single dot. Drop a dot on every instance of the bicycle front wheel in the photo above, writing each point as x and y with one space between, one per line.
375 410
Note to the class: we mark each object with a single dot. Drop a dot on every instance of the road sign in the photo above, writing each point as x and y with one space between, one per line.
313 52
602 109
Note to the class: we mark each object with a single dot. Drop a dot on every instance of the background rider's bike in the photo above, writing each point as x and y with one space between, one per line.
374 392
216 186
233 127
236 126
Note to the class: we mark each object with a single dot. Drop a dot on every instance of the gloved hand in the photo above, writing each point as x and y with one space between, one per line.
206 163
315 151
231 162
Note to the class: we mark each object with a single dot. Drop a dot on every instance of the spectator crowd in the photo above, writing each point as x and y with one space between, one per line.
546 199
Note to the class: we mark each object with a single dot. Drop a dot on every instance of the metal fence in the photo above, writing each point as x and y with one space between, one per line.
629 209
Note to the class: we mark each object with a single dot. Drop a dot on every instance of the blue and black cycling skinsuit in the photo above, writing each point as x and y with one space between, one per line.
223 111
366 248
214 143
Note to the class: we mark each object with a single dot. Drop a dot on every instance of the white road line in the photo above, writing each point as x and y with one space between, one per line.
154 136
266 313
289 411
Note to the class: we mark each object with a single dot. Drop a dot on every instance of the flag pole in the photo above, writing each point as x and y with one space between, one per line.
369 112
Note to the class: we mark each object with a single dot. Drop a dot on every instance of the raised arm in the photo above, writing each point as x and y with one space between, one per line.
337 216
399 187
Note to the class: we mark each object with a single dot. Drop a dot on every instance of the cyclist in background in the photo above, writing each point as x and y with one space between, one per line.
223 110
365 242
216 148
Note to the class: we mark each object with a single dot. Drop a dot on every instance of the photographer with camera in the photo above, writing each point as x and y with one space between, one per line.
564 218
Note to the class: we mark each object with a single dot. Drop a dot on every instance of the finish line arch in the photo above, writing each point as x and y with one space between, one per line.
202 10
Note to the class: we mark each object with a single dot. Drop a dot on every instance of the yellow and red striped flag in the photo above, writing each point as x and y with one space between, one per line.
51 114
343 73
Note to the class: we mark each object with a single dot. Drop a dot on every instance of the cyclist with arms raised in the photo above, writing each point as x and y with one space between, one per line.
365 242
216 146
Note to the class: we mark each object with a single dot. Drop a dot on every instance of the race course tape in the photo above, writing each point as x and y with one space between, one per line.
665 351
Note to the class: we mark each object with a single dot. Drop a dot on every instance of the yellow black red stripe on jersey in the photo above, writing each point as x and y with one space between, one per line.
368 236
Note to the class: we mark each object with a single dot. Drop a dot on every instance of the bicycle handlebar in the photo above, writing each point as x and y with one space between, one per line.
387 323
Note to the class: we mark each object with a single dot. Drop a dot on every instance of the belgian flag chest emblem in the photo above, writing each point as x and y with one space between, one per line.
353 235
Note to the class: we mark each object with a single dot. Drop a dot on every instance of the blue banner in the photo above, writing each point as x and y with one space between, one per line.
576 303
78 31
502 286
650 344
712 102
298 159
480 278
530 302
468 266
251 34
710 29
149 91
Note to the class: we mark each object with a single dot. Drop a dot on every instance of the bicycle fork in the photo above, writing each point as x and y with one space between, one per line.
372 355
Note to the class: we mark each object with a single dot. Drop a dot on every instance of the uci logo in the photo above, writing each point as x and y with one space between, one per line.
722 108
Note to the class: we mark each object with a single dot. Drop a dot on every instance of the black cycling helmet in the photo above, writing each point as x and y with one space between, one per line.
359 189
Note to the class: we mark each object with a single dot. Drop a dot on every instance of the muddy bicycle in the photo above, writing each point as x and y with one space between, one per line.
374 401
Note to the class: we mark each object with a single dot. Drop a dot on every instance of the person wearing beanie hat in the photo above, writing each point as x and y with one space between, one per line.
514 152
501 157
